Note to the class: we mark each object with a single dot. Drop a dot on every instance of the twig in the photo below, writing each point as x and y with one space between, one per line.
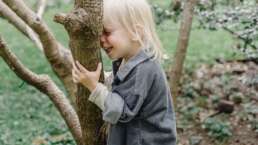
9 15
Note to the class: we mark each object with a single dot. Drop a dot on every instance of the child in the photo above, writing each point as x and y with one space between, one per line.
139 104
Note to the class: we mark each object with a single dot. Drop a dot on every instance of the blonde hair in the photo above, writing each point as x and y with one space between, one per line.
137 18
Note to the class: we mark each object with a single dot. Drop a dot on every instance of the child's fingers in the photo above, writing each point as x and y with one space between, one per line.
80 67
76 71
75 77
77 65
75 68
73 64
99 67
75 80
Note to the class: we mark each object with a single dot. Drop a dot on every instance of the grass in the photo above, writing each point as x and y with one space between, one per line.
27 114
204 46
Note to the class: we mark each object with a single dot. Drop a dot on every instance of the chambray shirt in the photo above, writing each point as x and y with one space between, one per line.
139 107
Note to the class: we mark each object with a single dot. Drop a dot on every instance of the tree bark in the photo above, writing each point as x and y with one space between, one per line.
84 26
41 6
182 44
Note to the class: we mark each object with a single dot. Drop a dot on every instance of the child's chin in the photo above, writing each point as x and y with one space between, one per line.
111 57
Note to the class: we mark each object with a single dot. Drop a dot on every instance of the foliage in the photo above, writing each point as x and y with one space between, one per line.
217 129
240 21
164 14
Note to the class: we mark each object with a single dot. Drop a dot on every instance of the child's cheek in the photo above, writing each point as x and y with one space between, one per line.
111 40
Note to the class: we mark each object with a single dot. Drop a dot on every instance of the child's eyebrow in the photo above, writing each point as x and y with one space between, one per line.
104 29
107 28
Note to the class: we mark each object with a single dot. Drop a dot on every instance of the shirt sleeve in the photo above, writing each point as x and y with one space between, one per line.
108 79
123 109
114 107
99 94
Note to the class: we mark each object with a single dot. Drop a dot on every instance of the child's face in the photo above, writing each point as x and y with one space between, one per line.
116 41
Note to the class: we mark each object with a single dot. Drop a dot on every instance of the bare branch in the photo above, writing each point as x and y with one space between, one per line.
60 18
60 58
9 15
239 37
44 84
41 8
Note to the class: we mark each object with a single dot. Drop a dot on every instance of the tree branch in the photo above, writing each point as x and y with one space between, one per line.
239 37
60 58
41 8
44 84
9 15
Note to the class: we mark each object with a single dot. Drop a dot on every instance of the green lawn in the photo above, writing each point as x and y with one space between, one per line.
27 114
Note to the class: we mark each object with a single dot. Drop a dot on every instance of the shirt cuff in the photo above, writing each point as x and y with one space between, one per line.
99 95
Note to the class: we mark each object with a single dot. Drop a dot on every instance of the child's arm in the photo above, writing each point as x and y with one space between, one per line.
108 79
115 108
100 91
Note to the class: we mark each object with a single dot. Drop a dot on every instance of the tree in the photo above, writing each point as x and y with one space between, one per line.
182 44
84 26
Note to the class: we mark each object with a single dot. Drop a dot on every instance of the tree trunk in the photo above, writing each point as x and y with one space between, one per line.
84 26
182 45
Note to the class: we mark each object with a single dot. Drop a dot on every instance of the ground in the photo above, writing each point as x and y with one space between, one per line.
218 105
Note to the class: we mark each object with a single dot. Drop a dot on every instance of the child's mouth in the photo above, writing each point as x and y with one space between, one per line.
108 50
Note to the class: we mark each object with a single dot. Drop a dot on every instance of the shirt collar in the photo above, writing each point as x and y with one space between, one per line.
129 65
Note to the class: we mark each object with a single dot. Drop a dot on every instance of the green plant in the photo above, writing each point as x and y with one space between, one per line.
240 21
217 129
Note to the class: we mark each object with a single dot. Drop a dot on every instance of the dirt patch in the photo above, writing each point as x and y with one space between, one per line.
219 105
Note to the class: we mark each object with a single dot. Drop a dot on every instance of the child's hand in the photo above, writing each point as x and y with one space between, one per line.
87 78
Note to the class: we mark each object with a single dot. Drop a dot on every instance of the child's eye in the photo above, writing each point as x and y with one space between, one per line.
107 32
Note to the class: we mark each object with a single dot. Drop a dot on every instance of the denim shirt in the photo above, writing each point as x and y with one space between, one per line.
140 107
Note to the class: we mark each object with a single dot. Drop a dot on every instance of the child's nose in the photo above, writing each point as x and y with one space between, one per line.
102 40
